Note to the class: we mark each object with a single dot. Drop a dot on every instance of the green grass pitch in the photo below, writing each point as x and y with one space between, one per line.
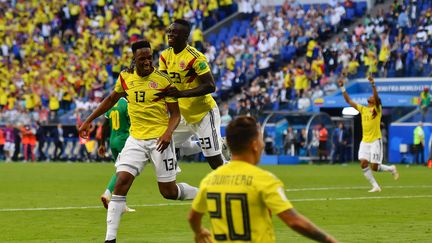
59 202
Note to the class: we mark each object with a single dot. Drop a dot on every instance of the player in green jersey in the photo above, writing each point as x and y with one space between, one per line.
117 119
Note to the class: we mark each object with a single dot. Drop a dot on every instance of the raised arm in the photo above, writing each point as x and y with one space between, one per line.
345 94
103 107
304 226
375 93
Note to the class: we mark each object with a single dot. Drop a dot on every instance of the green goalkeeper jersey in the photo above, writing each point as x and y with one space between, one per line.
119 123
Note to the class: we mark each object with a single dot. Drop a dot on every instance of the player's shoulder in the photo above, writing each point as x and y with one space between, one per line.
124 74
162 76
194 52
205 181
167 51
360 107
264 176
123 101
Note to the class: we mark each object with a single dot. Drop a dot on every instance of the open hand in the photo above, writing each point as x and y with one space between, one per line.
371 80
84 130
204 236
163 142
102 151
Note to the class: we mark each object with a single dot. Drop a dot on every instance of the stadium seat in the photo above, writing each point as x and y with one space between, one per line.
360 8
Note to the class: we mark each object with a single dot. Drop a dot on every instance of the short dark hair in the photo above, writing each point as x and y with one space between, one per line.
140 44
185 23
240 132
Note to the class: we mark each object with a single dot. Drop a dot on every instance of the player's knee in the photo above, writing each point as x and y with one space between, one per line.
374 167
123 183
170 193
364 164
215 161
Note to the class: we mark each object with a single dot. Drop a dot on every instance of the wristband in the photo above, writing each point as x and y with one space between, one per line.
343 89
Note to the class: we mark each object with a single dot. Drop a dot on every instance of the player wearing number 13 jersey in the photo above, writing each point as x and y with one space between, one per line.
240 197
153 120
193 85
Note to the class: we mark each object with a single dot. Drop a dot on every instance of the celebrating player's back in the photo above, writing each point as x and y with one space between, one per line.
238 196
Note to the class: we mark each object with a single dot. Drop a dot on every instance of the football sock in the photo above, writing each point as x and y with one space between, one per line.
186 192
385 168
369 176
115 210
112 182
189 148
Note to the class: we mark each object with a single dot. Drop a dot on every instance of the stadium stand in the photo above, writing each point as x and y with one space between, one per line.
65 54
59 60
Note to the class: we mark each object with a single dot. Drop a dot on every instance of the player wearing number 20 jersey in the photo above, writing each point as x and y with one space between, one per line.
236 194
240 197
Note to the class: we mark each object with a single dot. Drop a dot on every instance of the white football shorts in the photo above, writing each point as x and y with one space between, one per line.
372 152
207 131
137 153
9 146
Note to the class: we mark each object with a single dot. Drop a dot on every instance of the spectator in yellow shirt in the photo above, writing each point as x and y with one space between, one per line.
353 66
198 39
230 62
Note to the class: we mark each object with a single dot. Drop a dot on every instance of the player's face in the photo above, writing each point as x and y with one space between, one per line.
371 101
176 35
143 61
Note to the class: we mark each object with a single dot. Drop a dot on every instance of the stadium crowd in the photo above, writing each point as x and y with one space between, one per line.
394 43
61 58
65 54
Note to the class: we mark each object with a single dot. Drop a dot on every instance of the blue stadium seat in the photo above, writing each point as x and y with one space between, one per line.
350 14
360 8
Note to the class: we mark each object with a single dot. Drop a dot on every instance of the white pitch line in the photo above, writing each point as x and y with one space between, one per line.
188 203
358 198
350 188
88 207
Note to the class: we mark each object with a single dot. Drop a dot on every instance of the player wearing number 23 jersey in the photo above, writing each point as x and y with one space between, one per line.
193 84
237 194
184 68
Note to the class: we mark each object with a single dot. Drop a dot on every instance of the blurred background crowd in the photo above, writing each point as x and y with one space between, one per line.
59 59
